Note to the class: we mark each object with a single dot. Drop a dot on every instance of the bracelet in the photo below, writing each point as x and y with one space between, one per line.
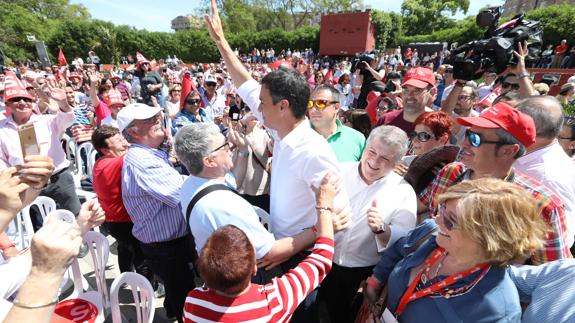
380 230
323 208
371 282
524 74
17 303
10 245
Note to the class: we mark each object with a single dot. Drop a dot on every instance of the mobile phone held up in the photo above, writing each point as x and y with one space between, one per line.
28 141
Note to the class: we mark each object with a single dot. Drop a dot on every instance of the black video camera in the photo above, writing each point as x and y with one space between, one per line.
356 62
494 52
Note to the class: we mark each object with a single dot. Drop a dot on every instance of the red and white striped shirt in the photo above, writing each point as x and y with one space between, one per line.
274 302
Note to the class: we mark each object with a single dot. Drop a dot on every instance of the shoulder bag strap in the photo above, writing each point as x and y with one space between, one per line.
205 191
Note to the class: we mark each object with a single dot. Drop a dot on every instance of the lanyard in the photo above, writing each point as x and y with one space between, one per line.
411 296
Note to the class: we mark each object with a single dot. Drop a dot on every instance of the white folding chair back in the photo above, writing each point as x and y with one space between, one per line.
45 205
91 162
142 292
264 217
100 251
70 149
83 150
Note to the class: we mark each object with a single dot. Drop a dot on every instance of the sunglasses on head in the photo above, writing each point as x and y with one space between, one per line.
475 139
421 136
14 100
514 86
319 104
449 222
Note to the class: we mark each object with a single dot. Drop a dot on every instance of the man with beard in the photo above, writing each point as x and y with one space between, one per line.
151 194
460 103
418 89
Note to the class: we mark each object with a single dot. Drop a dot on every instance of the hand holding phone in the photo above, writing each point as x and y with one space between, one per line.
28 140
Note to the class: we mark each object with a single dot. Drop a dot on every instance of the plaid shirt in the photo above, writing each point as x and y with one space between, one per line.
552 210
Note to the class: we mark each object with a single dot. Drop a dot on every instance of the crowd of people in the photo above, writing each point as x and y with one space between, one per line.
311 190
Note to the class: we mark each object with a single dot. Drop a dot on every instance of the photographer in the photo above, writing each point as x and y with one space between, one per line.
367 74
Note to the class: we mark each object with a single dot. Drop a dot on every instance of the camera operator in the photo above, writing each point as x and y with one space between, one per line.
367 74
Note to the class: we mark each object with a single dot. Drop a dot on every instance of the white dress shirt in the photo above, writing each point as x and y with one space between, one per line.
552 167
300 160
357 246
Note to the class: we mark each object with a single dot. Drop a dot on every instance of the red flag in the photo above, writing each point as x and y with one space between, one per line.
62 58
187 87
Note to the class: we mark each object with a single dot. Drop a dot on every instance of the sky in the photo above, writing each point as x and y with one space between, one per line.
155 15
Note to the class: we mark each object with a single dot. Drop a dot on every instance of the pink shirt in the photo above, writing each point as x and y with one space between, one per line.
49 130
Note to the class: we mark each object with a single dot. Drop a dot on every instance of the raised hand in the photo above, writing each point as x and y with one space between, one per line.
373 217
10 188
214 23
91 215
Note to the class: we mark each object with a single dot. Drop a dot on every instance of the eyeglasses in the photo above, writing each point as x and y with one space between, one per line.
421 136
319 104
193 101
14 100
382 107
475 139
514 86
210 84
464 97
449 222
226 145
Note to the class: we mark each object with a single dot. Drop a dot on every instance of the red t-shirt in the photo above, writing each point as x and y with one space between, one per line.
107 184
561 49
395 118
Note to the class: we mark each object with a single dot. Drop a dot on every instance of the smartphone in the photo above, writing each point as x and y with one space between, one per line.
235 116
28 141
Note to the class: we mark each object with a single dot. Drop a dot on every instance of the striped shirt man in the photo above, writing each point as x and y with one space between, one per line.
274 302
151 194
552 210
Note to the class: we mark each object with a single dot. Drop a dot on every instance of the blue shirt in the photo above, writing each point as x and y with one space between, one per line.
151 194
184 118
548 288
493 299
220 208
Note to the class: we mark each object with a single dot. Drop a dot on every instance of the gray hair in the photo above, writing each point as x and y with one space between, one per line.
126 135
546 112
391 136
507 139
335 95
193 143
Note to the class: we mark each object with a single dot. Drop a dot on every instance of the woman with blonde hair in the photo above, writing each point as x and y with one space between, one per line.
459 274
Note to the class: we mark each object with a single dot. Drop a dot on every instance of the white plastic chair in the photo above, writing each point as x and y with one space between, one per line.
143 295
83 150
99 248
45 205
264 217
92 162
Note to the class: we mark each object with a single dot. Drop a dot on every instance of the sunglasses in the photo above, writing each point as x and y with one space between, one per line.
448 221
319 104
225 145
475 139
14 100
514 86
210 84
193 101
421 136
464 97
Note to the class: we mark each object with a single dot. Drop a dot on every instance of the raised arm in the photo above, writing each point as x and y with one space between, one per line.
235 67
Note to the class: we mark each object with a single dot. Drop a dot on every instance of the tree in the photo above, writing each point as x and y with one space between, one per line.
430 15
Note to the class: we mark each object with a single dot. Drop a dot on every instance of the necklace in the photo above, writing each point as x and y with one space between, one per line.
425 277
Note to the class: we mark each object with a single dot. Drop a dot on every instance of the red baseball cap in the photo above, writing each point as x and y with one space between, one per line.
504 116
420 77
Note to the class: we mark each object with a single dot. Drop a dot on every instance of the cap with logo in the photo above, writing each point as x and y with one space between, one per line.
420 77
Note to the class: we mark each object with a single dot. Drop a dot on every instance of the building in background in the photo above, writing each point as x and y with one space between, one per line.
187 22
513 7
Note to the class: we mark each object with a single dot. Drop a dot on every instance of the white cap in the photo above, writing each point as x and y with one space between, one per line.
210 78
135 111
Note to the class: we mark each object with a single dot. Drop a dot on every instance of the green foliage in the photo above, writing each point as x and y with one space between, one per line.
430 15
464 31
557 22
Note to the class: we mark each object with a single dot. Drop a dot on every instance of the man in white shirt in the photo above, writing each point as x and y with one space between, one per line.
301 157
384 208
545 160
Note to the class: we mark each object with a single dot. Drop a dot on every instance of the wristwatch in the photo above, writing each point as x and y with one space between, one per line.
523 74
381 229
